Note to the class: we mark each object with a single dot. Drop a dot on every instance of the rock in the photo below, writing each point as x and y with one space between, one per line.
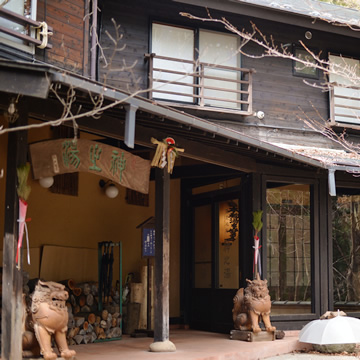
335 348
279 334
162 346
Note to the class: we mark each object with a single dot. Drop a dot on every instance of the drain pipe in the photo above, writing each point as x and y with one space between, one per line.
93 40
332 185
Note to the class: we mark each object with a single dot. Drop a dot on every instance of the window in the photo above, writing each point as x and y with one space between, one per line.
344 90
198 68
177 43
346 242
27 10
289 247
304 69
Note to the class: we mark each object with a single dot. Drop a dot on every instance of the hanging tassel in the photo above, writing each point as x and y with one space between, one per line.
23 205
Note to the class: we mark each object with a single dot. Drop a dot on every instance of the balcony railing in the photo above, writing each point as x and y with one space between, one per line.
344 105
43 31
200 85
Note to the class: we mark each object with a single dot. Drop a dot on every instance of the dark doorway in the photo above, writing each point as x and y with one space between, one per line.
215 261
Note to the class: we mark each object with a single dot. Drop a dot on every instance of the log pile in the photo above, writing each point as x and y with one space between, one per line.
86 324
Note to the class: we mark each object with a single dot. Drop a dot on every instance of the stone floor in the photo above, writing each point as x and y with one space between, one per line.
190 345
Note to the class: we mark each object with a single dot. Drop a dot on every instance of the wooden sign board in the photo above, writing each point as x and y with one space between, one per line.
54 157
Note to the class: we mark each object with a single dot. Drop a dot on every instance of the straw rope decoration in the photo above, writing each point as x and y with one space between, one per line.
165 154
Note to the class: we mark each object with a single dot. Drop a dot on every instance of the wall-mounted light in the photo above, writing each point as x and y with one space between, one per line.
111 191
46 182
260 115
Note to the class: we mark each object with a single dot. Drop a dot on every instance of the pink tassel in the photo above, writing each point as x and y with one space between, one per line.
22 218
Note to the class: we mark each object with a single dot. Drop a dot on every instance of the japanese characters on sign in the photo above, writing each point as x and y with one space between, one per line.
148 242
62 156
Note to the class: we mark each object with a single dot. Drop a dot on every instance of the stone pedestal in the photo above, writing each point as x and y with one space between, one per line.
162 346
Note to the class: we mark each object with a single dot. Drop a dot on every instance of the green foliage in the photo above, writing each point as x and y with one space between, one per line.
257 223
23 188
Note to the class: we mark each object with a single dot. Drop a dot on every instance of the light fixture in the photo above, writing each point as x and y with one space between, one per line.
111 191
46 182
260 115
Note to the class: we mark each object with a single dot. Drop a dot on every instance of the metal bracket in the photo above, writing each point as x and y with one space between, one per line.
43 31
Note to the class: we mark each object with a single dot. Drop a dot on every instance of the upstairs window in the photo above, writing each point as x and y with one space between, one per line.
344 91
23 11
199 68
177 43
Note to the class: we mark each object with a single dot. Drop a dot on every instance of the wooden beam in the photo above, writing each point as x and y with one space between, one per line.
162 248
25 82
193 149
12 309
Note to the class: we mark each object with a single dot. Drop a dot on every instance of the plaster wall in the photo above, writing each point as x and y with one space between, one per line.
73 222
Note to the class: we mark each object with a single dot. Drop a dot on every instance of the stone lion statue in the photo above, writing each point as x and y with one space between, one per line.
251 305
49 316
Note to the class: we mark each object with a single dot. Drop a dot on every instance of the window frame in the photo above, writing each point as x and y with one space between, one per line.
25 20
315 245
353 122
196 102
300 72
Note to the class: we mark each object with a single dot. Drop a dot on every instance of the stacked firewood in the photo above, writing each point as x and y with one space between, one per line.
86 323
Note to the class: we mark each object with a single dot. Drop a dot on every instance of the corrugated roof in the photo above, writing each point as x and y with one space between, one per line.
331 158
311 8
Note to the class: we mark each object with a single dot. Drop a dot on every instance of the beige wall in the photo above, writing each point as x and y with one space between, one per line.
83 221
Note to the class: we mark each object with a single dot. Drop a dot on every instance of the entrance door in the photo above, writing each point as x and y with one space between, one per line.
215 263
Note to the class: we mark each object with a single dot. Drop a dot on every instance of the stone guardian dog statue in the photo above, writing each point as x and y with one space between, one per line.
251 305
50 317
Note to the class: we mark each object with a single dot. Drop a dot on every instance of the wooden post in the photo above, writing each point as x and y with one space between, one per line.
162 258
162 235
12 309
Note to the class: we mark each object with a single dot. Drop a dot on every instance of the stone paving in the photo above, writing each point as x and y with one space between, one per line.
191 345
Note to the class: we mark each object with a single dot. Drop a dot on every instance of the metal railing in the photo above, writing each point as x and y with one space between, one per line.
200 85
42 29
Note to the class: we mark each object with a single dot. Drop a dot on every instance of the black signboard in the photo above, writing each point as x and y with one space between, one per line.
148 242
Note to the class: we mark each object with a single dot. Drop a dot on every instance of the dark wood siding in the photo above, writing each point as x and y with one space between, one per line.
283 97
69 39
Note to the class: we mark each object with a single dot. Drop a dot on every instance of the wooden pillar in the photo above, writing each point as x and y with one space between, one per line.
12 309
162 262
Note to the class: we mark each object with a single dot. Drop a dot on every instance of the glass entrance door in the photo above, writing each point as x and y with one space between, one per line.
289 242
215 264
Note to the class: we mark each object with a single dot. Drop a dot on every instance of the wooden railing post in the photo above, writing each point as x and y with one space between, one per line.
250 97
202 84
151 78
332 105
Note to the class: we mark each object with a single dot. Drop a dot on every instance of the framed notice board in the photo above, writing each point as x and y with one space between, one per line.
148 242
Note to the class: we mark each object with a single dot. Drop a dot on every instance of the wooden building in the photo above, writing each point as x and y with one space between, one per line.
122 73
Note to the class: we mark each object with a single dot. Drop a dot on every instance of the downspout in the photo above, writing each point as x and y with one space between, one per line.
332 185
93 40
